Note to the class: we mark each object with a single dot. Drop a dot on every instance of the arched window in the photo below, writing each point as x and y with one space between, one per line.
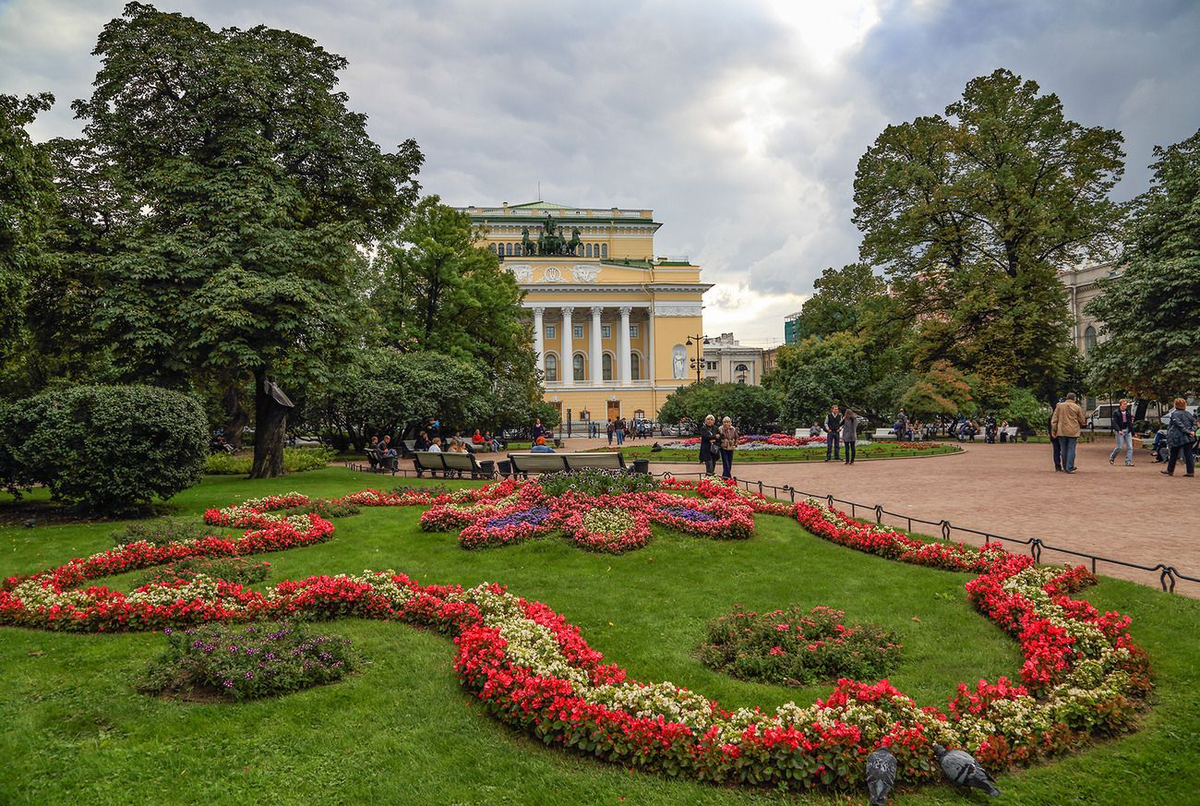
1089 339
587 250
741 370
596 247
603 250
635 368
492 248
578 366
606 366
551 368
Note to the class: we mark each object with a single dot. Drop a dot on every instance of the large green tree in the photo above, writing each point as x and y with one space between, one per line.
973 214
1151 312
811 376
750 407
240 187
839 301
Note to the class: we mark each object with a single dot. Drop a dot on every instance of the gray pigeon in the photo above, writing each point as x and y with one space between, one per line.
881 776
961 769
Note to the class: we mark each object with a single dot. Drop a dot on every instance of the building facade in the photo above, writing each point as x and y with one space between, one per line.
611 323
728 361
1081 288
791 329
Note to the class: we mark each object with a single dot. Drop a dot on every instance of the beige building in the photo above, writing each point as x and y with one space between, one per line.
611 322
1081 287
728 361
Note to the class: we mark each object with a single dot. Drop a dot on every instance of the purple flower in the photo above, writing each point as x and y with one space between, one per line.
228 684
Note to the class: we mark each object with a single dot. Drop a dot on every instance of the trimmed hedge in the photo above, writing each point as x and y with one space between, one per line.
108 448
295 460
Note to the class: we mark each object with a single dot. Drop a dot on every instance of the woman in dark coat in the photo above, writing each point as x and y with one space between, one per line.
710 444
1181 431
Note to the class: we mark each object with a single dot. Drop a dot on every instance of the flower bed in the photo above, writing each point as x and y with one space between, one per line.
1083 675
796 646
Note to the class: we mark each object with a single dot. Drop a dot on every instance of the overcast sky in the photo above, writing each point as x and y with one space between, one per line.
740 124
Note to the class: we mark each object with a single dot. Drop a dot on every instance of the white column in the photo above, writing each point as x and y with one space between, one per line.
539 332
623 341
595 351
650 346
567 360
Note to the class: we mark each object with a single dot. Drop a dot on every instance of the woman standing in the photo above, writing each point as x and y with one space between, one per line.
849 434
1181 431
710 444
729 441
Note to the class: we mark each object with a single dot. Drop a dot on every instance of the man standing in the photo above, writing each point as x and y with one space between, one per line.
1053 441
1067 424
1122 426
833 432
901 426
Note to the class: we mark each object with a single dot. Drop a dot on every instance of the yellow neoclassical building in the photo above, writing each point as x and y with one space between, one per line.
611 322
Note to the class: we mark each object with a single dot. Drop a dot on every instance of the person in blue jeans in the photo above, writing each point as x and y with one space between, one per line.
1122 426
833 432
1181 433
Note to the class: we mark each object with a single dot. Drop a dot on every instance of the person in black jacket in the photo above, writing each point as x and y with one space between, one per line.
833 433
710 444
1122 427
1054 441
1181 433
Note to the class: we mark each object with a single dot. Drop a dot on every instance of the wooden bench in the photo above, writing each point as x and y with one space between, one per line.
451 463
883 433
606 460
525 463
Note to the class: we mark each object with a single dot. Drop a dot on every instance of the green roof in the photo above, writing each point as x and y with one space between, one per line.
540 205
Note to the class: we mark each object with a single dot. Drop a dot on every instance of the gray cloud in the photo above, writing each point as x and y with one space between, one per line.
740 124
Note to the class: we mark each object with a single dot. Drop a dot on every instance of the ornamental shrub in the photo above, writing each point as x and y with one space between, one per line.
247 662
595 481
795 647
161 531
239 570
323 507
295 460
107 448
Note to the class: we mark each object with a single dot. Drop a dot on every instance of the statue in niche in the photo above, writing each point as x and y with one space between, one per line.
678 362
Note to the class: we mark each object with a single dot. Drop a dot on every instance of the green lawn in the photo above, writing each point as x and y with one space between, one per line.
75 731
876 450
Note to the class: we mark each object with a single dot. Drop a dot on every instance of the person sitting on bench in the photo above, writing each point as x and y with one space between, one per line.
541 447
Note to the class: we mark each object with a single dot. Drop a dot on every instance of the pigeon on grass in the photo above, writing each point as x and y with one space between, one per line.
961 769
881 776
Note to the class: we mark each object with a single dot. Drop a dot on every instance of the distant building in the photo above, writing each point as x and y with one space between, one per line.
791 327
1080 284
770 358
728 361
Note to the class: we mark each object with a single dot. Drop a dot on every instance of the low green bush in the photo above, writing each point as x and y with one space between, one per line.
244 662
432 489
240 570
594 481
295 460
325 508
162 531
109 449
796 647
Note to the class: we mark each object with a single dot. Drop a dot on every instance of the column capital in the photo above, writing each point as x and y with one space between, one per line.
567 310
538 311
597 310
626 310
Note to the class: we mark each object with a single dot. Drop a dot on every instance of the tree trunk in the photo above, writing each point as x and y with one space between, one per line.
236 416
270 423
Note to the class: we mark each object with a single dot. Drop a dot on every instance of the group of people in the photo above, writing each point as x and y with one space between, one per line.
1179 435
841 433
718 442
619 429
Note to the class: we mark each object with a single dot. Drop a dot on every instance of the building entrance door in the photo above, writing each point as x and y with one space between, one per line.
614 409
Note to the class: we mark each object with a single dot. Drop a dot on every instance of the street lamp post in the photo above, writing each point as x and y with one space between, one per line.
698 361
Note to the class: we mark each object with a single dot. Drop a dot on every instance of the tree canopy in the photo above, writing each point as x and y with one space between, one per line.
1150 312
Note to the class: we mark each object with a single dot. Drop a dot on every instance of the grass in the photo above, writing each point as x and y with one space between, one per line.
403 731
876 450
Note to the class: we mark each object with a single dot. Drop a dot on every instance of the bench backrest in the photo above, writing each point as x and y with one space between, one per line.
608 460
459 461
884 432
537 462
428 460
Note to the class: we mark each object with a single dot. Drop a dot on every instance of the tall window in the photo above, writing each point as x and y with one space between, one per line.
606 331
606 367
551 368
635 369
603 250
492 248
578 366
1089 339
577 330
633 331
587 250
508 249
550 331
596 248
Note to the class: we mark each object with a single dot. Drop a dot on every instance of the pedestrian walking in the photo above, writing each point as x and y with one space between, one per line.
612 429
1067 424
833 431
1054 442
1181 433
710 444
850 434
1122 427
729 441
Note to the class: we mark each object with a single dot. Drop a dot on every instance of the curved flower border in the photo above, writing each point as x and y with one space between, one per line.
1083 675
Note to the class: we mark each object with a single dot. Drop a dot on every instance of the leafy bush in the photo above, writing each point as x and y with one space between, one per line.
240 570
594 481
295 460
432 489
325 508
109 448
248 661
795 647
161 531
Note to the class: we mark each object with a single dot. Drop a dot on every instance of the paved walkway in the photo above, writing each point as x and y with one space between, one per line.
1132 514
